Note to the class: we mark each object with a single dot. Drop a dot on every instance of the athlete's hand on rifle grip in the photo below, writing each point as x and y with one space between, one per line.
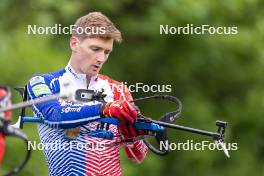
120 109
129 131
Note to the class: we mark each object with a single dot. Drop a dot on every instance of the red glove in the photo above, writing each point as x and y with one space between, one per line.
125 112
120 109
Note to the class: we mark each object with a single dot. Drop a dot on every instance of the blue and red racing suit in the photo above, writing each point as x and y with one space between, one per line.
84 155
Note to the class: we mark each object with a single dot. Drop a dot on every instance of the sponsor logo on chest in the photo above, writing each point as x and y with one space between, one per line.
70 109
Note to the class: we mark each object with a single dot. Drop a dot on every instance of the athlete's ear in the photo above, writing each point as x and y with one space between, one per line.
74 44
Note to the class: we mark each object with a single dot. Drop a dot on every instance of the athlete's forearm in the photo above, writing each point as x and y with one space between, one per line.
57 116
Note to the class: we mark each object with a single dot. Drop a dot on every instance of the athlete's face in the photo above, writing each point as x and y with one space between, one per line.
90 54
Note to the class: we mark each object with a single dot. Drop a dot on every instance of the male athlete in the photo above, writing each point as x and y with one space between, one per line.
67 123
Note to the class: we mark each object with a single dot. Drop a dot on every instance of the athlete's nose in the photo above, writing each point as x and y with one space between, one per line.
101 57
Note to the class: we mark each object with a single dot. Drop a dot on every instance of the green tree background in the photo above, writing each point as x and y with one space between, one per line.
215 76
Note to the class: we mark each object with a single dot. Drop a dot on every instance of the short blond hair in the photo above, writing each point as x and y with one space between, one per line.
99 21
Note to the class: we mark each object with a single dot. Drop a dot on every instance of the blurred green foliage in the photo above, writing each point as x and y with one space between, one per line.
215 76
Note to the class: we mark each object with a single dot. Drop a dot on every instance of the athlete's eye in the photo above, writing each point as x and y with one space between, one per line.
95 49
